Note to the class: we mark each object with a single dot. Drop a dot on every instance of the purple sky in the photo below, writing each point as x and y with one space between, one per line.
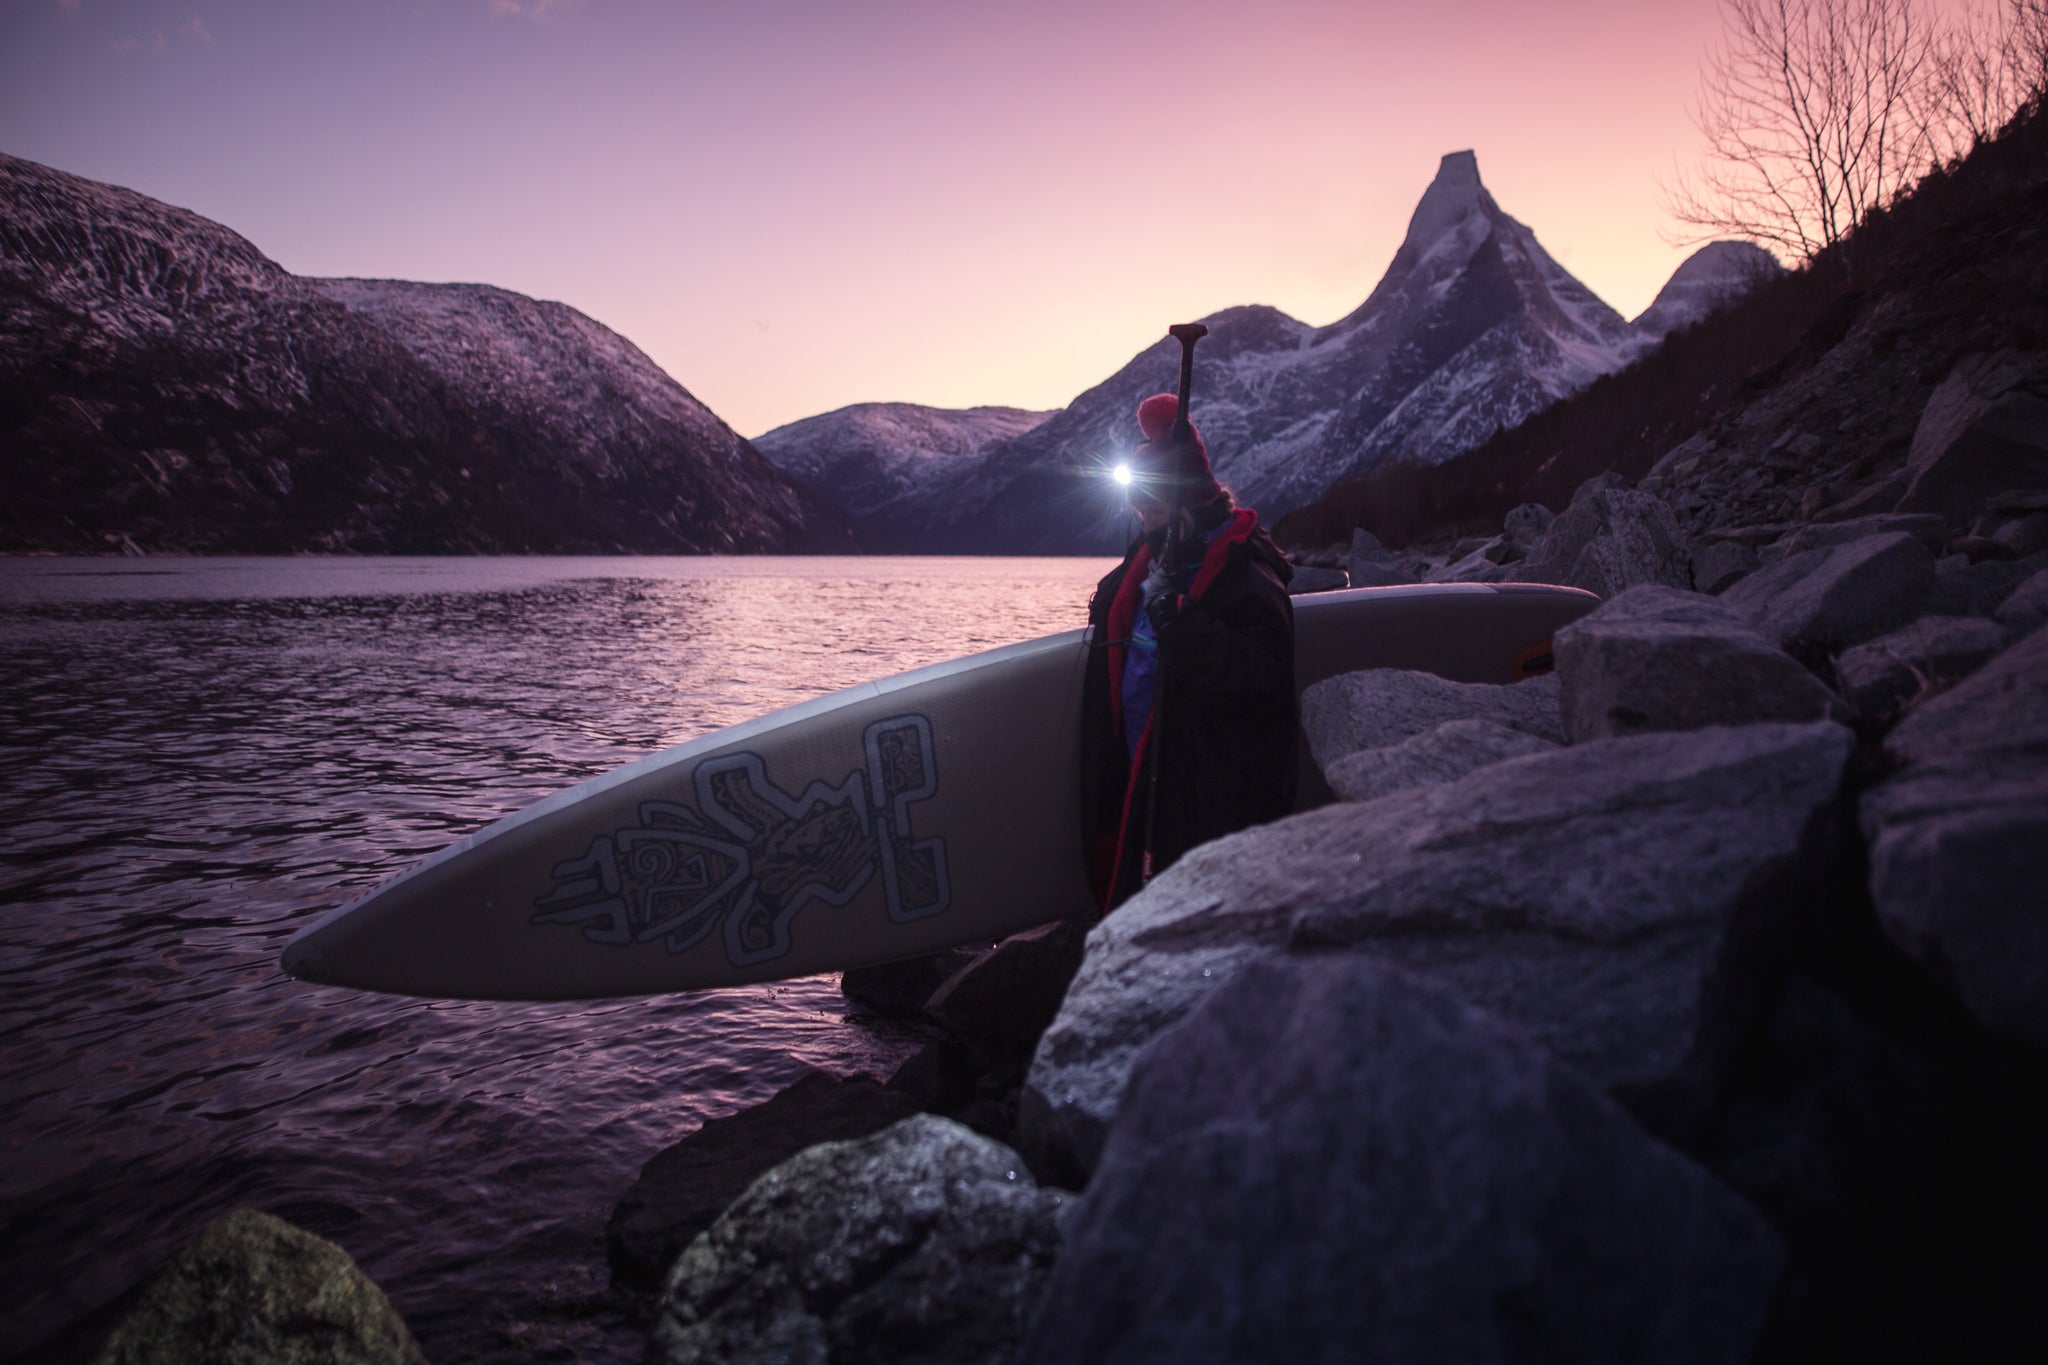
793 206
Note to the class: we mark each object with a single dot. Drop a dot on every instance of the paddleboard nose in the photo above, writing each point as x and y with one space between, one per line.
303 961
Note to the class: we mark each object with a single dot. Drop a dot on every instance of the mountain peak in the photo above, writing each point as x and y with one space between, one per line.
1453 197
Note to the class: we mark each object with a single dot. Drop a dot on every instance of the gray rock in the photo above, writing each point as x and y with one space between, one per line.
686 1185
1472 568
1378 573
1926 528
1316 578
1587 894
1328 1161
1470 545
901 988
1383 706
922 1243
1934 652
1527 524
1839 595
1966 589
1366 545
1445 754
2027 535
1959 841
1609 540
1983 430
253 1290
2027 605
1006 996
1656 658
1722 565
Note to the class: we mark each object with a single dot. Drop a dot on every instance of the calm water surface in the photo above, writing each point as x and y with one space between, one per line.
197 757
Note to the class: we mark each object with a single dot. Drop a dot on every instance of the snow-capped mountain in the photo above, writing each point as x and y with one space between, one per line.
1473 328
871 456
1712 276
164 385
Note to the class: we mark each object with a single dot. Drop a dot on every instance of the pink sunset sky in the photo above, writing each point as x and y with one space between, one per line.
793 205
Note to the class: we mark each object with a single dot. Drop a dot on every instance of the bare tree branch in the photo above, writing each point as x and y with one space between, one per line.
1814 114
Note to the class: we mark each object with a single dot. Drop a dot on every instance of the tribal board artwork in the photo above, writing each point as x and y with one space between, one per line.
750 855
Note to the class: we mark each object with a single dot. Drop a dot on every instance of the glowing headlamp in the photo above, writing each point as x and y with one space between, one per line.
1122 474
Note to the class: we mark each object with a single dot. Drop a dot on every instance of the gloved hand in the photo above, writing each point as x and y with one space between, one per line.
1161 609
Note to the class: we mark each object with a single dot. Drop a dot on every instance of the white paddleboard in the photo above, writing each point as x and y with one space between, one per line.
923 811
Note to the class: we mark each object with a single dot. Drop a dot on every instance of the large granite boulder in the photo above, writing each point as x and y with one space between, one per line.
1445 754
1930 530
1959 841
2026 606
254 1290
1658 658
685 1186
1379 707
1610 540
924 1244
1606 897
1934 652
1839 595
1721 565
1327 1161
1980 589
1983 430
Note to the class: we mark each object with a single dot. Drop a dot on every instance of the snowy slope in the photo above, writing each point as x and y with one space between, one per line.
1715 274
870 456
165 385
1474 327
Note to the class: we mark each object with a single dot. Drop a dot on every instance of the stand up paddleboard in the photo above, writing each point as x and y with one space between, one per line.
927 810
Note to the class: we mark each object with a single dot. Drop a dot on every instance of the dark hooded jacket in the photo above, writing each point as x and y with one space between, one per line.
1224 724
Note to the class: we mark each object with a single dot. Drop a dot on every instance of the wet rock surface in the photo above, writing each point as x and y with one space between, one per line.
922 1243
1480 1202
254 1290
684 1187
1657 658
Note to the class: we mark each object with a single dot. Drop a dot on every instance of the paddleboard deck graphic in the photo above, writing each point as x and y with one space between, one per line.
903 816
762 854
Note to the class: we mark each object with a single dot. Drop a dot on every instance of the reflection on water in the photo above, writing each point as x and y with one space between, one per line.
197 757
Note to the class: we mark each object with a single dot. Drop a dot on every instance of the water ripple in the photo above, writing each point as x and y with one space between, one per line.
196 761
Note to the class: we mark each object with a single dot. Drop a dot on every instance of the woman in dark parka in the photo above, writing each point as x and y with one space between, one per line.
1224 734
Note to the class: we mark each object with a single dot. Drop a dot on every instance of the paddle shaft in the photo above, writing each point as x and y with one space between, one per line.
1182 436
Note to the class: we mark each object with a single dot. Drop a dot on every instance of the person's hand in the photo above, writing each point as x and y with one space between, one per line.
1161 609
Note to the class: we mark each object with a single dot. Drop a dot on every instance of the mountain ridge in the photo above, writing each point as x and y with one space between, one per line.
168 387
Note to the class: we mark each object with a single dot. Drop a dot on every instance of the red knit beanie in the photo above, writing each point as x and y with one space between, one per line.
1159 454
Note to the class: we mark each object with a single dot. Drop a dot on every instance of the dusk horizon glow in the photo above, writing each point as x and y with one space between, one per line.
798 206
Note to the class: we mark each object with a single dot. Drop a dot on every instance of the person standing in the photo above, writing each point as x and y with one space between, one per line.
1190 669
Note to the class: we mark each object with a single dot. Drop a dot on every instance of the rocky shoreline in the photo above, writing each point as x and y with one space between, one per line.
1688 1003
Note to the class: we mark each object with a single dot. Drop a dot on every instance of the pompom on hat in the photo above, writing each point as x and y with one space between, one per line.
1160 456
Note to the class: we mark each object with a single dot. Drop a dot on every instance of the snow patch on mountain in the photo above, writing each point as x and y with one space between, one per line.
870 456
1716 274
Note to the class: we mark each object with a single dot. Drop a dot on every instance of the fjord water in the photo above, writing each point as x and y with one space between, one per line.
198 757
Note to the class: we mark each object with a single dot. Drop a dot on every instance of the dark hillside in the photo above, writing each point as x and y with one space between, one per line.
1806 388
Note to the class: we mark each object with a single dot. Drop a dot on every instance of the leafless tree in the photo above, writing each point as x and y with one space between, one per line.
1984 63
2028 22
1811 114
